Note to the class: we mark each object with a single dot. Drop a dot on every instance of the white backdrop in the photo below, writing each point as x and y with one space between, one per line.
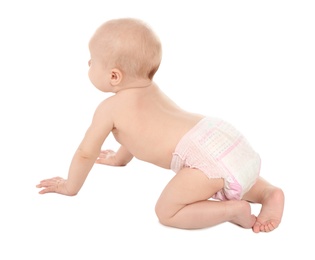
249 62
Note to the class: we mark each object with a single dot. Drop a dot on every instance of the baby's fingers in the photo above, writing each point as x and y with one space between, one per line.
102 161
49 185
46 183
46 190
106 153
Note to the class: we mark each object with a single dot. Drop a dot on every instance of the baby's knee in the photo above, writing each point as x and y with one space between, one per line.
163 215
160 213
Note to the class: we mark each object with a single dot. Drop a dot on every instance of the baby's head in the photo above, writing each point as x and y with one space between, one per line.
129 45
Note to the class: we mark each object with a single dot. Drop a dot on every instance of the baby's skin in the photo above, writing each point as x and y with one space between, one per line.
148 125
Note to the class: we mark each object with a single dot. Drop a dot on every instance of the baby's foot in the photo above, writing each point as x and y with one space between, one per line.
271 212
242 214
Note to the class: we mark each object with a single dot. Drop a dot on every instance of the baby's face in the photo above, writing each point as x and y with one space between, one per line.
99 72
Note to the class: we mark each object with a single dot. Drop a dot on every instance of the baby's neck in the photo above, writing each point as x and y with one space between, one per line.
134 84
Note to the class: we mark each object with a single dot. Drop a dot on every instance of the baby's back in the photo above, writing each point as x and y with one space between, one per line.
149 124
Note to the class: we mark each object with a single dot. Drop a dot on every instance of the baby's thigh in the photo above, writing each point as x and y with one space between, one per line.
186 187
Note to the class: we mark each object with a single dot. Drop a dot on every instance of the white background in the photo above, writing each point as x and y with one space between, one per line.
249 62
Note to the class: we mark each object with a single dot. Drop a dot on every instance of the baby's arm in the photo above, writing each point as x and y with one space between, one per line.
120 158
85 156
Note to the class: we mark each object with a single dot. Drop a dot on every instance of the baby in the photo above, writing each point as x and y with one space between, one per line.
217 171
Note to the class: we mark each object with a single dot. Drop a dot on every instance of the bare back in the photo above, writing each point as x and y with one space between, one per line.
149 124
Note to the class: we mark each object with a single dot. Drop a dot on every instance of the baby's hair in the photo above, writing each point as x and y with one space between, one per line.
136 49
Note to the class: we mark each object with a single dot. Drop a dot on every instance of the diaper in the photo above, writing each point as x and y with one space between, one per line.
220 151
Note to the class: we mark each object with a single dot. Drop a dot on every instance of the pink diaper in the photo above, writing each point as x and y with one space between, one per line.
220 151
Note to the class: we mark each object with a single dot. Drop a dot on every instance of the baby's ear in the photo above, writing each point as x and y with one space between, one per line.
116 77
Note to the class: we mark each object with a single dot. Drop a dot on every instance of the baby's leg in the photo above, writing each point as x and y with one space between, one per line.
184 203
272 200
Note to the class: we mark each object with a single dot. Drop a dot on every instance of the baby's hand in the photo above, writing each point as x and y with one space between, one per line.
56 184
107 157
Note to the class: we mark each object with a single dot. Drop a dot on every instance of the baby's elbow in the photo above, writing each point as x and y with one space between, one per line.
84 154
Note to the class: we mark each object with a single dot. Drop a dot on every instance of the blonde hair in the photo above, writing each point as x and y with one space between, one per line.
132 45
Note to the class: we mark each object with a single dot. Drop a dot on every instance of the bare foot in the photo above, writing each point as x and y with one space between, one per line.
271 212
242 214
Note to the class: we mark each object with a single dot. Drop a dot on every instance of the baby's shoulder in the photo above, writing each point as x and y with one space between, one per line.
107 105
